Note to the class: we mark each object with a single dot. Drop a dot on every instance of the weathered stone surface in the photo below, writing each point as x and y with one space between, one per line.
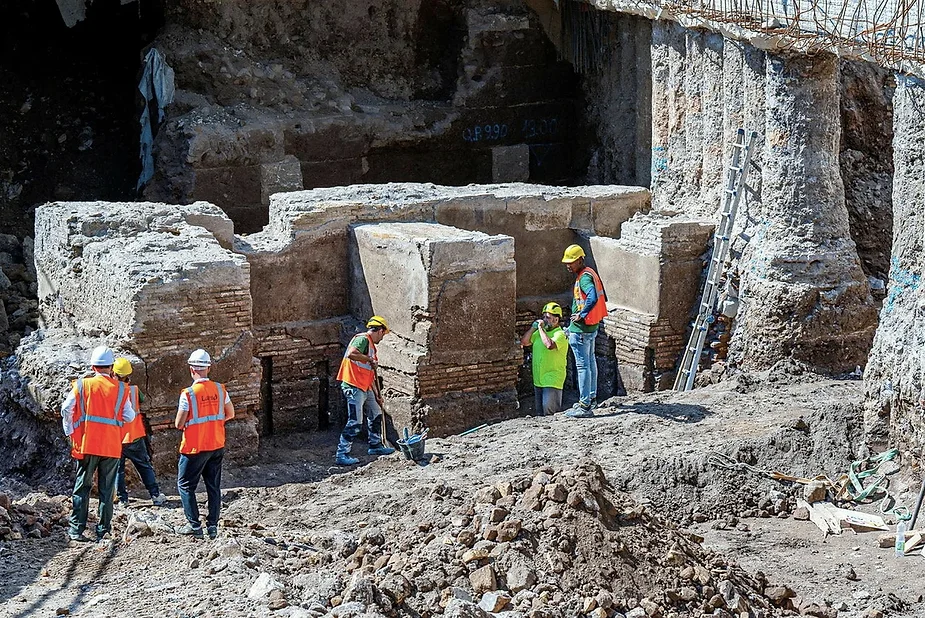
803 291
893 376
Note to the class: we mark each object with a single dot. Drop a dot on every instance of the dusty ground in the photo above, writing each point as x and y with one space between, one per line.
292 507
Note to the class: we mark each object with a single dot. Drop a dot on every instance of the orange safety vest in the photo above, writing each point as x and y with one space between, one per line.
599 310
98 417
136 429
360 375
205 422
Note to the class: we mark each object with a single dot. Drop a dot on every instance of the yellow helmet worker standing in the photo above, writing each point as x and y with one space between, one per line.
135 443
589 306
357 377
549 345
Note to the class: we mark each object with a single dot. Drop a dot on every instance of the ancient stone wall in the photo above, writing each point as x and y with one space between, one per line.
802 289
894 373
305 254
153 283
316 95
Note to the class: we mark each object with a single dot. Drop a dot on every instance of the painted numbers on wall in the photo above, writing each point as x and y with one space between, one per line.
485 132
530 128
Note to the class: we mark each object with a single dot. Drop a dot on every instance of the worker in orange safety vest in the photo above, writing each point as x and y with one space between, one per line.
589 306
357 375
134 444
93 415
202 412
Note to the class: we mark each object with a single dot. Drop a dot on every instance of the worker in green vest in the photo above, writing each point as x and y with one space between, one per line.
549 345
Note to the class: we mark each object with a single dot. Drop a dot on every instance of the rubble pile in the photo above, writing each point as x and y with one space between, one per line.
33 516
560 543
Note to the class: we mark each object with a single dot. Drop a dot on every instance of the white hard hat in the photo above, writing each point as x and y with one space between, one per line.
101 357
199 358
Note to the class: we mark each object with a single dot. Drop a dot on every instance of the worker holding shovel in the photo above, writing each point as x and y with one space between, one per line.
357 375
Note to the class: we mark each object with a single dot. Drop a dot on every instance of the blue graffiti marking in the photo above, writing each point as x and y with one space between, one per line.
901 281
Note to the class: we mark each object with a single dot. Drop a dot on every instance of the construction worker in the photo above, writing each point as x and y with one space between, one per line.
589 306
93 415
357 377
549 345
134 444
202 412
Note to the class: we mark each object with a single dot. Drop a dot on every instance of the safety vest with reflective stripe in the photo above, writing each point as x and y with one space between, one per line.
98 416
136 429
599 310
360 375
205 422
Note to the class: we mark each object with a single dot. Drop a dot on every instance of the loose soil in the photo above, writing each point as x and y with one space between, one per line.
391 537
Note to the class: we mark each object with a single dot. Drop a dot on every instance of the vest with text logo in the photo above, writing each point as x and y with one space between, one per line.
205 422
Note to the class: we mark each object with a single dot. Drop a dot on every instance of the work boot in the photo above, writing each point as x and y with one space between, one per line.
579 411
78 538
159 500
346 460
212 531
188 529
382 449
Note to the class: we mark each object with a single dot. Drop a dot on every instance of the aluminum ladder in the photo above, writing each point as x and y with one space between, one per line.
735 183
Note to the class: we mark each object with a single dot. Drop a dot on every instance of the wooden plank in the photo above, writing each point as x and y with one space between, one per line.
823 520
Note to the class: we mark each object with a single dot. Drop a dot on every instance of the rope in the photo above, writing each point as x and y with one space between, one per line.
848 486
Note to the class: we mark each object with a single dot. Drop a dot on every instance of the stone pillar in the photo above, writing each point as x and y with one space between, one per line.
713 159
668 110
803 290
691 149
893 377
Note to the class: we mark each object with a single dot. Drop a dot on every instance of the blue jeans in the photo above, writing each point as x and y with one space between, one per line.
548 400
137 452
582 346
356 399
208 466
105 468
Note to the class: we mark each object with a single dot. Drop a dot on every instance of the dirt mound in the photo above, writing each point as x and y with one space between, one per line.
34 516
560 543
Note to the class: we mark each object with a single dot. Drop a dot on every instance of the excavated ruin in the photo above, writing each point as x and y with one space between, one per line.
256 179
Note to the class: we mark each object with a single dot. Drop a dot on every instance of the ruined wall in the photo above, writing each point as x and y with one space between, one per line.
316 95
651 272
147 280
304 253
893 376
802 288
451 360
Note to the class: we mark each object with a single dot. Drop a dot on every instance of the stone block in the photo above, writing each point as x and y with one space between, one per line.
510 163
280 176
449 290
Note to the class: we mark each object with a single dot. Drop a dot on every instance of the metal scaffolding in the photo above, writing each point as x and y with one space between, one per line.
891 32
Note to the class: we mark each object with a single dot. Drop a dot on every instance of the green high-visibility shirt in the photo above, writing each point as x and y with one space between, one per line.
549 365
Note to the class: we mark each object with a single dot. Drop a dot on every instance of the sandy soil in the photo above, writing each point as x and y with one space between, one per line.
656 447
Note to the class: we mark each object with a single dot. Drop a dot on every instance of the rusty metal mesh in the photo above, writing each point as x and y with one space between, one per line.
887 31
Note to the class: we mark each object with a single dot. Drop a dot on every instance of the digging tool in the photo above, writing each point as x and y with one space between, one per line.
918 505
385 425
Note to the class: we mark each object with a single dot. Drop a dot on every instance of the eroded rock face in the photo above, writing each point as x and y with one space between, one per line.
893 375
807 296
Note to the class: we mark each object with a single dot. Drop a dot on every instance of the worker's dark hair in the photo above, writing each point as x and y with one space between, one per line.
377 328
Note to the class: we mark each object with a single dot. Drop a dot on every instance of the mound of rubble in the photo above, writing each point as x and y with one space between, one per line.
560 543
34 516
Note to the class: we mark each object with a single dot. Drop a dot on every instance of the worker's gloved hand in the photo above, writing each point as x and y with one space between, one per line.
538 325
373 364
576 318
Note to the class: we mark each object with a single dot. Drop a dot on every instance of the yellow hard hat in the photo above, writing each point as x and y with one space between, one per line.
122 367
378 320
553 308
572 253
